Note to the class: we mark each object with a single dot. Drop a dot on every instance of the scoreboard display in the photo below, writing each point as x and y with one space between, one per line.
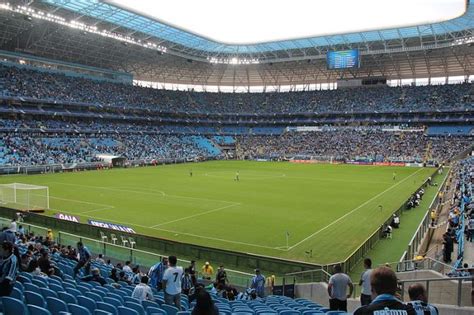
343 59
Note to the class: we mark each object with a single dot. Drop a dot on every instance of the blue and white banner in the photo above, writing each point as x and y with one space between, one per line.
111 226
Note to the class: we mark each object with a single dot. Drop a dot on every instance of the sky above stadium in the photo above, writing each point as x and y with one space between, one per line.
258 21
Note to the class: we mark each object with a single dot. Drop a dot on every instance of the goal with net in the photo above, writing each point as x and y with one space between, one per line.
24 196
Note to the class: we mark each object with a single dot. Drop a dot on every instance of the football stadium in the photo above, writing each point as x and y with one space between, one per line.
248 158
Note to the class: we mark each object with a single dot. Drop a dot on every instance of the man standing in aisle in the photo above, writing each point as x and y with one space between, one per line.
337 290
364 283
84 259
156 273
171 283
258 283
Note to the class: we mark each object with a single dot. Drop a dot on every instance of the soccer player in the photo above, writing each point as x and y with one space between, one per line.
394 176
190 173
237 176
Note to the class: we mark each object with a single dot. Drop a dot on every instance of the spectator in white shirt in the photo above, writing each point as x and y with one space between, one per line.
366 288
142 291
172 283
127 267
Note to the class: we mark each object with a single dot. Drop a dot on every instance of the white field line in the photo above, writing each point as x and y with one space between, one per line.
217 239
249 177
337 180
146 191
195 215
352 211
80 201
104 206
97 210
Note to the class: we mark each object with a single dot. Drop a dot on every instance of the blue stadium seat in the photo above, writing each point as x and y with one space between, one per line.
34 298
36 310
17 294
116 296
23 279
126 311
94 296
135 306
13 306
55 306
55 287
289 312
32 287
75 309
68 298
113 301
154 310
87 303
19 286
39 283
73 292
110 308
130 299
48 293
147 304
188 313
170 310
101 312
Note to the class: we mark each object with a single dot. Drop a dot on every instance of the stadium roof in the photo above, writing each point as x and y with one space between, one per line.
201 46
96 34
247 22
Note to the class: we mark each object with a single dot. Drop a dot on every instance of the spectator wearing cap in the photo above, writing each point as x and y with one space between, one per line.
8 269
207 271
221 277
258 283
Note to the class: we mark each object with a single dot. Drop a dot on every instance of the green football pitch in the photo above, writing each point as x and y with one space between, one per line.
276 209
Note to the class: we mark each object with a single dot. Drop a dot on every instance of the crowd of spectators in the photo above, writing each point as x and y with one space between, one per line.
336 144
23 82
461 215
43 149
25 252
351 144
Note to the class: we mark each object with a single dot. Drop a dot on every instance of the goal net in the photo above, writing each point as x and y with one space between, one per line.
24 196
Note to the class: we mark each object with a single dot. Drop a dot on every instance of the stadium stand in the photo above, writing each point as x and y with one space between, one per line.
56 87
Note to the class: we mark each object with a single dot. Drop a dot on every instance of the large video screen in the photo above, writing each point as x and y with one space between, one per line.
343 59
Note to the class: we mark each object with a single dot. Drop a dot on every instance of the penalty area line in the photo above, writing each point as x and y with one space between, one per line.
195 215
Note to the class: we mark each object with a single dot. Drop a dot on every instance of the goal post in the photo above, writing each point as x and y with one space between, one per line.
24 196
